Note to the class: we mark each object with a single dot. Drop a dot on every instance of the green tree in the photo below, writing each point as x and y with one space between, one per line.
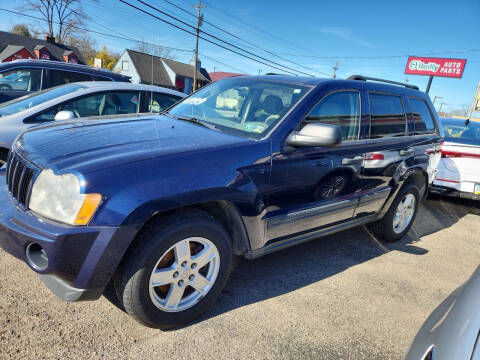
108 59
21 29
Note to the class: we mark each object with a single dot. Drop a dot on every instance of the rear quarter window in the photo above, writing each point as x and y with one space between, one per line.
422 117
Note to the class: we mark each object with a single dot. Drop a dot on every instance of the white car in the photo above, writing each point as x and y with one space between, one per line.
81 99
458 172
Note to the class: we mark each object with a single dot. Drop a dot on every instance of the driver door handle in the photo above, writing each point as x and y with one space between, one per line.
351 161
407 152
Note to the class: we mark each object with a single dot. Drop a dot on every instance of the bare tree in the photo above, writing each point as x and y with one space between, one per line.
60 17
155 50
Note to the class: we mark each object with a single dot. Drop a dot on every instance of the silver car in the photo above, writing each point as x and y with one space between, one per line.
452 331
82 99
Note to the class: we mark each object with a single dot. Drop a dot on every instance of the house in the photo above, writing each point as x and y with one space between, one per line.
13 47
148 69
219 75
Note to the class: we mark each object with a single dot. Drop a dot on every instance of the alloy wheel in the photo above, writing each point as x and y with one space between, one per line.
404 213
184 274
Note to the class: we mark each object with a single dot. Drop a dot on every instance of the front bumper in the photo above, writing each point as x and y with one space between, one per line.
79 263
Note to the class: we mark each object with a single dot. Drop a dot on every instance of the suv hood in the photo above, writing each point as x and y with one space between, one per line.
89 144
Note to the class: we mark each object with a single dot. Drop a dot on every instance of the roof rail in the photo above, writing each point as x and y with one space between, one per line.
365 78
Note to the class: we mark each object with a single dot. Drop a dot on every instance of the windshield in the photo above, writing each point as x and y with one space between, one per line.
36 98
241 106
455 130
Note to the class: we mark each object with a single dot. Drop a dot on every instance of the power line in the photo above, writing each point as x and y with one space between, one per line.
232 67
210 35
386 56
97 32
126 38
246 41
207 40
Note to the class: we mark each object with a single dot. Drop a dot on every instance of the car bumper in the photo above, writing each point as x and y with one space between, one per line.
75 255
450 191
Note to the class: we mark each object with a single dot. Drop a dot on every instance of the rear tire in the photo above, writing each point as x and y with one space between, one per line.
163 264
391 228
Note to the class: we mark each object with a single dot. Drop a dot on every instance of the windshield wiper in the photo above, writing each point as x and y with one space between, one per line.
194 120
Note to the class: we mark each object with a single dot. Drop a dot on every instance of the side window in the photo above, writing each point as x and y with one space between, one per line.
388 117
59 77
340 108
21 79
422 117
159 102
47 115
85 106
110 103
121 103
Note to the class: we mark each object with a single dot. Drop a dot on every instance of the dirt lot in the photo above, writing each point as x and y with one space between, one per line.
342 297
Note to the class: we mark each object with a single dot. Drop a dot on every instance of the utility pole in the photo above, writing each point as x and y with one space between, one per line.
335 68
199 7
440 108
435 98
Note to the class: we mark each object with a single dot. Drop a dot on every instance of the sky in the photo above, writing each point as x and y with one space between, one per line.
372 38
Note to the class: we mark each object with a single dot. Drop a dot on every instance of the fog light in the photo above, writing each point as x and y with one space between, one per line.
37 256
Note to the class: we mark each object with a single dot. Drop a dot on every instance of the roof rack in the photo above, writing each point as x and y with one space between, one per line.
365 78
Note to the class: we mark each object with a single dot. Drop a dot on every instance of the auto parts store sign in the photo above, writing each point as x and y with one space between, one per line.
435 66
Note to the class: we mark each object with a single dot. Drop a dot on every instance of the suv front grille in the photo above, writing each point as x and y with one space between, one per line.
19 178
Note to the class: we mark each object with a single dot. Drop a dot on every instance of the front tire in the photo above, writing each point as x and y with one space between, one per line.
177 269
400 217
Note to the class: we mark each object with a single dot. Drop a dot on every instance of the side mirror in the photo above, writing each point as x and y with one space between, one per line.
64 115
316 134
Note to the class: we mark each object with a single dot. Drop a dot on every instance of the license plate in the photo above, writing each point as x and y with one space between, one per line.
476 189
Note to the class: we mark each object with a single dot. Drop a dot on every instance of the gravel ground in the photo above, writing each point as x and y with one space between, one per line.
341 297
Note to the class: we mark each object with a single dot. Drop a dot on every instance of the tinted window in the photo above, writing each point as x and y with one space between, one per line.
21 79
341 109
242 106
159 102
59 77
387 116
422 117
110 103
31 100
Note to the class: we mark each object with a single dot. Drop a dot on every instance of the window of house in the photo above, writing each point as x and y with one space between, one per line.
160 102
124 65
340 108
21 79
388 117
422 117
59 77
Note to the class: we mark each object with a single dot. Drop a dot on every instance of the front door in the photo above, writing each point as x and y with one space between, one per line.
314 187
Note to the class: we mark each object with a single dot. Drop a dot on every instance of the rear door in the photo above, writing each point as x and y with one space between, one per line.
315 187
388 147
425 133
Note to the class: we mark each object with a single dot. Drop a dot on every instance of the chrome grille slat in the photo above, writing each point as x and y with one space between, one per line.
19 178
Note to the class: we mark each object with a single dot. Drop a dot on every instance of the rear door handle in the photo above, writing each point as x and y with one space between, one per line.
351 161
407 152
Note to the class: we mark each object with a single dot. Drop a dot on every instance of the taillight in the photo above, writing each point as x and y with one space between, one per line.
458 154
374 156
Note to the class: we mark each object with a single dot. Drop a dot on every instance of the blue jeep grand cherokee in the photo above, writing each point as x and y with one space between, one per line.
151 209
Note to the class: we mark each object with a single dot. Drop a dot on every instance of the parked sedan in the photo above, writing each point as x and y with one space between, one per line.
458 172
452 329
83 99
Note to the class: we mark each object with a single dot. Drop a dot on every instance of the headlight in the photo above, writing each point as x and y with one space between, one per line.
58 197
